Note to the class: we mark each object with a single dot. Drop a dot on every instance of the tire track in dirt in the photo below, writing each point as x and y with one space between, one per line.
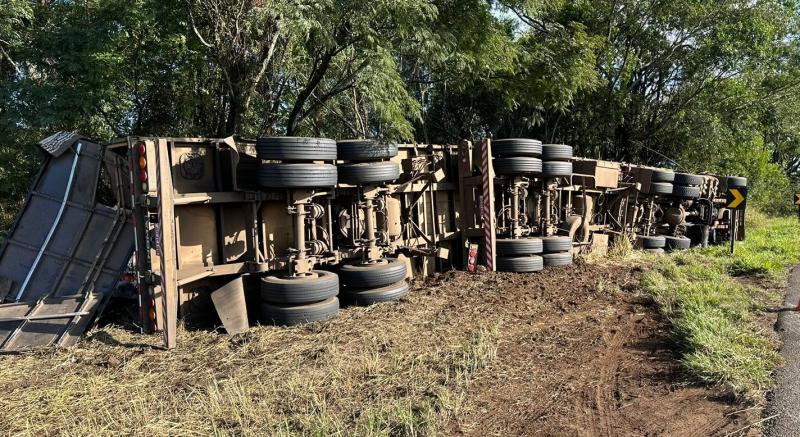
598 403
711 428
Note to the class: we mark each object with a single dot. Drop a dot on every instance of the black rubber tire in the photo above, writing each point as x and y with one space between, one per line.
519 246
517 147
290 315
656 251
364 150
554 169
660 188
735 182
688 179
297 175
373 275
517 165
368 173
281 290
677 243
650 241
556 152
685 192
519 264
557 259
556 244
369 296
296 149
662 176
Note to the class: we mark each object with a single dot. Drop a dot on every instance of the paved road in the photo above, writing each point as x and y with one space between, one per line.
785 400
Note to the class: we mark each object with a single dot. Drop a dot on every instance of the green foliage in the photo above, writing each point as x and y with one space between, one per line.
712 85
713 314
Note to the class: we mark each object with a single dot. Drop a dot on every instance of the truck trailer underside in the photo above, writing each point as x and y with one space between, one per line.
281 229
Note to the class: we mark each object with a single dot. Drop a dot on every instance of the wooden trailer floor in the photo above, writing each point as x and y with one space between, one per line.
578 351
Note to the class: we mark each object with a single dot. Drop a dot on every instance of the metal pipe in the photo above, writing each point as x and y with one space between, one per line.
650 215
329 218
548 204
514 210
369 223
300 230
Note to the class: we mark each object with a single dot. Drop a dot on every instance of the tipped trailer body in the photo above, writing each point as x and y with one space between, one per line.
280 230
206 212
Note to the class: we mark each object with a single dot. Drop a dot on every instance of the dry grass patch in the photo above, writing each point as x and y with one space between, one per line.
382 370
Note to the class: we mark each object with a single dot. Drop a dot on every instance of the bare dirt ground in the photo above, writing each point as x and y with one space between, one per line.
580 355
575 351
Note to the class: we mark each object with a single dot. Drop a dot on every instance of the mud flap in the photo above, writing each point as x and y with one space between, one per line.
230 304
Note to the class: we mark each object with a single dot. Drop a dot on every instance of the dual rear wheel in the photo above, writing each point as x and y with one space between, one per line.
525 255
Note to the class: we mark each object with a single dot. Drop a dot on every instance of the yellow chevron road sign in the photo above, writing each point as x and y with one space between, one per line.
736 198
797 198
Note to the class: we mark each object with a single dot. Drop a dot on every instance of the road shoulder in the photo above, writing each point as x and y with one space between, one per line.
783 412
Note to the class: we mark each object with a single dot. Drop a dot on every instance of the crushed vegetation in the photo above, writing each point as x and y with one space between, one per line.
712 302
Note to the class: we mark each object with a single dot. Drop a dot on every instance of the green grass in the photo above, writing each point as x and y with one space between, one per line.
711 299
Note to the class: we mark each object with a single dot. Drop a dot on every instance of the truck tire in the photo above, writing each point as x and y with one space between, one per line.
557 259
556 152
517 165
297 175
291 315
677 243
519 264
735 182
555 169
375 275
556 244
299 290
364 150
688 179
650 241
517 147
662 176
368 173
369 296
660 188
685 192
296 149
519 246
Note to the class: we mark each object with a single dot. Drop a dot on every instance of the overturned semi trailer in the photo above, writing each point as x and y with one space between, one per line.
527 205
283 230
280 226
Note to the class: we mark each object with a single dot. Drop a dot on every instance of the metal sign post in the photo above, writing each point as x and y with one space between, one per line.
735 200
734 223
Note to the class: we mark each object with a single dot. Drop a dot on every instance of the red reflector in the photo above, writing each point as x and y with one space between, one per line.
143 175
141 149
